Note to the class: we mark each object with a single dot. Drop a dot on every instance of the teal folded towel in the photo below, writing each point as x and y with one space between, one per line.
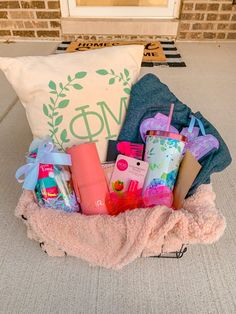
149 96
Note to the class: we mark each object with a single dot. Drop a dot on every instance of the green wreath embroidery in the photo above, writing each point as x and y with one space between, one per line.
122 77
58 102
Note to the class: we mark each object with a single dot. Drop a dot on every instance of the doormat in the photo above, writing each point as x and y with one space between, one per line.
156 53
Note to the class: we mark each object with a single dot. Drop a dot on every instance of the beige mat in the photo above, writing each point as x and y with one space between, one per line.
153 51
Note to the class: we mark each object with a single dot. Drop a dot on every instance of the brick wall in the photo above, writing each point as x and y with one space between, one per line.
199 20
30 19
207 20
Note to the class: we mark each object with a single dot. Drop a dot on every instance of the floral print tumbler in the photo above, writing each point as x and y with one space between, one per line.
163 153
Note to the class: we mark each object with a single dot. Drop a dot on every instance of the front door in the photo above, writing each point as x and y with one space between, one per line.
124 8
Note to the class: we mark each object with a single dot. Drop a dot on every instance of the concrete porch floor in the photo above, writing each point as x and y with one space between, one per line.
203 281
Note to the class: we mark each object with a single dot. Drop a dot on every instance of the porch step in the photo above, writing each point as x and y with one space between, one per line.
123 26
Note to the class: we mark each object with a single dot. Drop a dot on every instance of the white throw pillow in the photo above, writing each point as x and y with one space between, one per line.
76 97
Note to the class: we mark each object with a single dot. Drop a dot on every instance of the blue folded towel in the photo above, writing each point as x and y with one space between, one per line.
149 96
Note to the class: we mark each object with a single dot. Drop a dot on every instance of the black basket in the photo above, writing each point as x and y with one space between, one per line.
177 254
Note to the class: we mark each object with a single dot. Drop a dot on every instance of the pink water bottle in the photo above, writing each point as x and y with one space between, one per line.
88 178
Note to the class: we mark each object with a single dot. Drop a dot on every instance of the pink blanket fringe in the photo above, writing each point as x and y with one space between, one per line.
114 242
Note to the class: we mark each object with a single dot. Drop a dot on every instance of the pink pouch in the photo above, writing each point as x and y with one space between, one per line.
202 145
199 146
190 135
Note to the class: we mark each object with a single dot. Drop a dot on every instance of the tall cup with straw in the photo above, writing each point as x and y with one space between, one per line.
163 153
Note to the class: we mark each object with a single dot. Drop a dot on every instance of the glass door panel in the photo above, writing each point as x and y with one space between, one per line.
145 3
123 8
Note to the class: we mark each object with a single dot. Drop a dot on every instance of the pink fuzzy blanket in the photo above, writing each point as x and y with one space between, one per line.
113 242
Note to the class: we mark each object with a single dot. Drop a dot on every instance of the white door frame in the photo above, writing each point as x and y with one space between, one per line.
70 9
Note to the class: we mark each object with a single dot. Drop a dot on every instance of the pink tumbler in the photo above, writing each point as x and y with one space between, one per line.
88 178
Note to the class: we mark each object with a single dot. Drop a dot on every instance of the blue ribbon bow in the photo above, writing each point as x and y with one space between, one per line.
45 155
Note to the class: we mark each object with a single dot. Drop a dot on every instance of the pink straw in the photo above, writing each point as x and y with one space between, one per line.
170 117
